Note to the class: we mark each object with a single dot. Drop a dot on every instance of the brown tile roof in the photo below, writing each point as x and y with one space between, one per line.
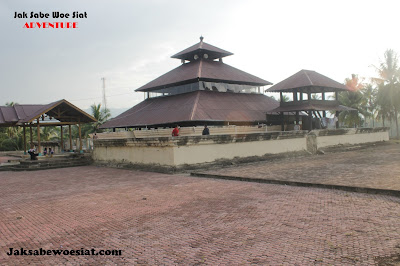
196 106
202 47
26 113
308 79
205 70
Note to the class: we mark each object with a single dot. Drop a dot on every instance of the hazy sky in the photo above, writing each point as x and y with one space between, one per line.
130 43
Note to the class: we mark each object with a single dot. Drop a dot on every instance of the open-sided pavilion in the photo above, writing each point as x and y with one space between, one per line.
60 113
302 85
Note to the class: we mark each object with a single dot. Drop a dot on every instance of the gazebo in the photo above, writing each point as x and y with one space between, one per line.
306 83
60 113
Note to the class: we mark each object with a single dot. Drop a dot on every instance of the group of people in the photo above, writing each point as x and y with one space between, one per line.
50 152
175 131
34 155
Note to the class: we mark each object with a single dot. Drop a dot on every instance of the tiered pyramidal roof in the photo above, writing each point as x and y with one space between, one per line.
203 89
204 64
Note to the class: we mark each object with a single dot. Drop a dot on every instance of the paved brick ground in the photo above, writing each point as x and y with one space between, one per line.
4 159
374 167
163 219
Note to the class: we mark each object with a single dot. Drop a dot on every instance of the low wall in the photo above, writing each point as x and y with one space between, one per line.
175 151
326 138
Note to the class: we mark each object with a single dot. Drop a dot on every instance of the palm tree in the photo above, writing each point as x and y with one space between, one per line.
101 115
388 84
50 133
354 99
370 94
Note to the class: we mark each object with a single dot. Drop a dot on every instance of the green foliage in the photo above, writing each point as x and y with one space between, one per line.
388 96
355 99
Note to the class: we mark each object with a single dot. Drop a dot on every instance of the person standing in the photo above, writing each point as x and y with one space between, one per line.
175 132
206 131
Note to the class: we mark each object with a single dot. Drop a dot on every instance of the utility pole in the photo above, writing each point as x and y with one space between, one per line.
104 94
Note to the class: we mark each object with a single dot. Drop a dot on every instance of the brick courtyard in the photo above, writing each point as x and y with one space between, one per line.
176 219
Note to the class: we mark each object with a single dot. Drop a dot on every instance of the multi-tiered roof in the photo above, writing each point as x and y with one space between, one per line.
203 89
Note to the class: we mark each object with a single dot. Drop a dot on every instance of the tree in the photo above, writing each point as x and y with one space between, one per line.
389 87
101 115
370 94
353 98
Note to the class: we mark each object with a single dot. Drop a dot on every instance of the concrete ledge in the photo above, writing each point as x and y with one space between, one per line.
182 150
388 192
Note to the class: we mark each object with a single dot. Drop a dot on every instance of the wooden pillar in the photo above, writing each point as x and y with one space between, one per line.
31 135
310 120
80 136
337 116
281 95
62 140
282 122
323 99
297 117
24 139
301 96
38 136
70 138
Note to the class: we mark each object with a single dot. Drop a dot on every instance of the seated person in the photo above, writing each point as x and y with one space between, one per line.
33 154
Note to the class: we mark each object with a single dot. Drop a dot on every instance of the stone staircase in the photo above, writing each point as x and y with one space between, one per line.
70 160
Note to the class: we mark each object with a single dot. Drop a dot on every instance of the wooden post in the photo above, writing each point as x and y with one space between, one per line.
310 120
70 138
31 135
297 117
24 139
323 99
337 116
281 95
283 122
62 140
80 136
38 136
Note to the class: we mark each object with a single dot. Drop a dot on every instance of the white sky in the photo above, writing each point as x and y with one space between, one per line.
130 43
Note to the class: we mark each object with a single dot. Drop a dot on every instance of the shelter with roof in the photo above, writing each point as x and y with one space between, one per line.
303 85
60 113
202 90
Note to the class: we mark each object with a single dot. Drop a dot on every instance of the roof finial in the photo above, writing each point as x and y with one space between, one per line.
201 38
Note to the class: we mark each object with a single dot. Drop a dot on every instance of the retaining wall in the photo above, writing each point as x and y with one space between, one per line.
175 151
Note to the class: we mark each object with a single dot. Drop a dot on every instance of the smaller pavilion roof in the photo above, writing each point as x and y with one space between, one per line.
203 70
61 110
201 48
308 79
